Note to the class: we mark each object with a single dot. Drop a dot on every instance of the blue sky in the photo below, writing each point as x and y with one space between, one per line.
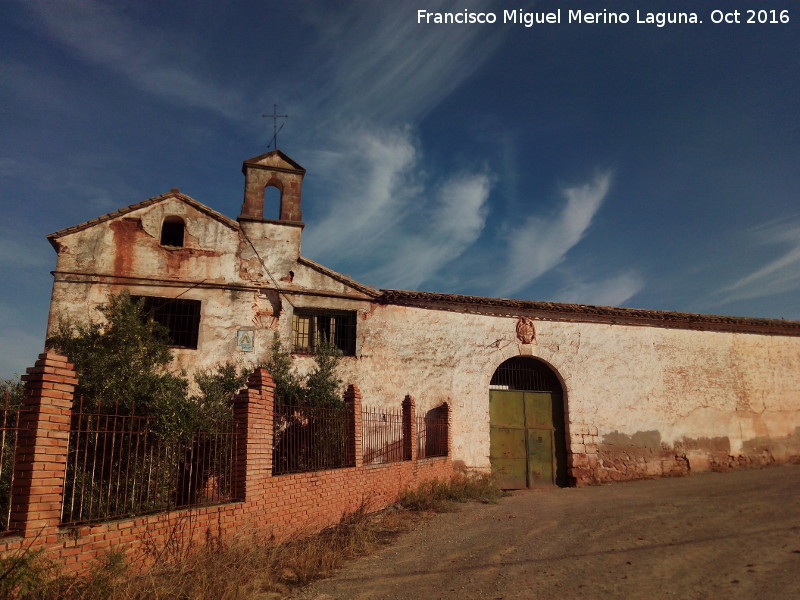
604 164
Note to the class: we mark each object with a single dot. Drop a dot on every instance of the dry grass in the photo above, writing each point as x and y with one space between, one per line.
252 568
442 496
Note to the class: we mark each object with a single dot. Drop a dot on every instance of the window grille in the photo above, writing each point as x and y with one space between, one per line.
310 327
180 317
524 373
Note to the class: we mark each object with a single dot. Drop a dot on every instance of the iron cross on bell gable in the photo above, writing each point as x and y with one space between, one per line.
275 129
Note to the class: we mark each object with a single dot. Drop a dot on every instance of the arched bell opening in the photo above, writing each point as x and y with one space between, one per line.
528 446
273 197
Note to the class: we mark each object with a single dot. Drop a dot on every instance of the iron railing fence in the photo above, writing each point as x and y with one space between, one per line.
9 419
118 466
382 435
432 434
308 438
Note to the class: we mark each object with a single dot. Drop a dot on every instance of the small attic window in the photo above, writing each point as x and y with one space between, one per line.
172 232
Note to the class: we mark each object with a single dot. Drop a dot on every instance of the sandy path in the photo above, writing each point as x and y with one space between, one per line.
734 535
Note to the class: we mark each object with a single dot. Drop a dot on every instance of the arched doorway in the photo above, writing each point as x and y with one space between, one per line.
527 430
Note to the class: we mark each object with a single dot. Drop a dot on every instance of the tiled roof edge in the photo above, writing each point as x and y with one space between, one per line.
590 313
144 204
339 277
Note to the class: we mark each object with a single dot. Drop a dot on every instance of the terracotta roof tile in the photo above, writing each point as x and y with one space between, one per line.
585 312
339 277
144 204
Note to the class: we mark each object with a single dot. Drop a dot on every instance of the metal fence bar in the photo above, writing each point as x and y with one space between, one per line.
119 467
307 438
431 435
382 435
9 419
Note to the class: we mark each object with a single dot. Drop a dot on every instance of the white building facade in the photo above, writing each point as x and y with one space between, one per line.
540 393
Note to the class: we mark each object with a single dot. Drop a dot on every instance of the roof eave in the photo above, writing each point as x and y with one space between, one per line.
138 206
598 314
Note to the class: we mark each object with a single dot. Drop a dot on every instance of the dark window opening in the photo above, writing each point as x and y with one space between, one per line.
309 328
172 232
180 317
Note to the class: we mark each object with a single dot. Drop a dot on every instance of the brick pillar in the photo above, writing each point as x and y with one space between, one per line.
42 446
352 400
254 410
409 428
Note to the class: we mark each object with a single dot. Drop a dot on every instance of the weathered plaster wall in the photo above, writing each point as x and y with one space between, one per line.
224 312
276 247
228 267
130 246
641 401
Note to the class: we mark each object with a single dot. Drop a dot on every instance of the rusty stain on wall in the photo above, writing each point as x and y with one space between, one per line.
126 237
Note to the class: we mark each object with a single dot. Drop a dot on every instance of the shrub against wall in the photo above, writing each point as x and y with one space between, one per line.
140 442
121 361
122 364
121 464
312 427
321 387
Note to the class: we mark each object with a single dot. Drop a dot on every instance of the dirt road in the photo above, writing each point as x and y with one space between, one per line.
733 535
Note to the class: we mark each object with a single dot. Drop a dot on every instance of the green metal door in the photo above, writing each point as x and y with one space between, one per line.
539 425
507 440
521 440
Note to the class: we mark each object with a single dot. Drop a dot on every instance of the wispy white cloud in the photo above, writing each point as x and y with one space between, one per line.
379 71
613 291
540 244
384 208
152 59
372 194
382 66
372 61
457 220
779 275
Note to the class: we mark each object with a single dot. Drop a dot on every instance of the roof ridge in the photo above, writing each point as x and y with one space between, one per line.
144 204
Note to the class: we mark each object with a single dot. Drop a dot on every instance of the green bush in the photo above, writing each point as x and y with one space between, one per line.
320 388
122 364
312 429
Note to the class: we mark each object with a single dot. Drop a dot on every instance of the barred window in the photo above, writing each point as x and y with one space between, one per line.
180 317
309 327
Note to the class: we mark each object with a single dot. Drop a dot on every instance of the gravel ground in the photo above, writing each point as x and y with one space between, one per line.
711 535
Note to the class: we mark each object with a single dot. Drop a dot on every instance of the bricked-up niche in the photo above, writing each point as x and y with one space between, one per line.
264 505
273 169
